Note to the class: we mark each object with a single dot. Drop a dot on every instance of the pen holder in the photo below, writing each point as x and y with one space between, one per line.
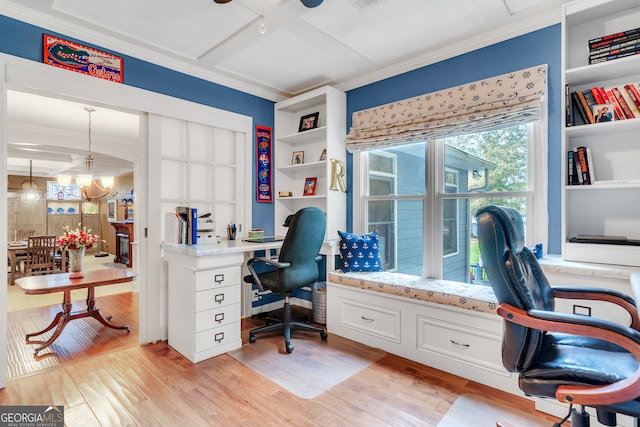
231 233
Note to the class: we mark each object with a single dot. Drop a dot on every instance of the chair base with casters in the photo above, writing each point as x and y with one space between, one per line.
295 267
285 327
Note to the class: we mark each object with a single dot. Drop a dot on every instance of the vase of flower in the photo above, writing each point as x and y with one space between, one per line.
76 256
75 242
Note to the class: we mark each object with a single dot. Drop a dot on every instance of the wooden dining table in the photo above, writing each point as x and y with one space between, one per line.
61 282
19 247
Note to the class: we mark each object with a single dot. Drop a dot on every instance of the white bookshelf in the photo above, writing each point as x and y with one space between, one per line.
611 206
329 135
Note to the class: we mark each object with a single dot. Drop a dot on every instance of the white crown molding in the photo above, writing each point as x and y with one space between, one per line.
110 43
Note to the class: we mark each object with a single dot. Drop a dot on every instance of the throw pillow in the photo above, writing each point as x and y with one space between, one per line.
359 253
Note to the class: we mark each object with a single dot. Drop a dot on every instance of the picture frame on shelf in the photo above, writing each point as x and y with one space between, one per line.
323 155
308 122
603 113
310 186
112 210
297 158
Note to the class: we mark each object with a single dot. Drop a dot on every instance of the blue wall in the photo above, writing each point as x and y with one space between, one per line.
538 47
24 40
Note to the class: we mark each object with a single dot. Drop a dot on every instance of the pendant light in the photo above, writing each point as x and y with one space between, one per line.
30 195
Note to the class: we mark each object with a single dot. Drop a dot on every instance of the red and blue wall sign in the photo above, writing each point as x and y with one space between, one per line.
82 59
264 177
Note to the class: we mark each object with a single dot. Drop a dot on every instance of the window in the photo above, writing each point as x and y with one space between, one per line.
422 197
57 192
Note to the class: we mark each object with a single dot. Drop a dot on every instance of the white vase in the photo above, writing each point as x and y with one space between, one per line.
76 256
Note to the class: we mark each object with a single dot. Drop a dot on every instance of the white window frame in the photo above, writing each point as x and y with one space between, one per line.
536 195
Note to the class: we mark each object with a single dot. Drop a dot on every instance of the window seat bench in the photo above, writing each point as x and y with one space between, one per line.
476 297
447 325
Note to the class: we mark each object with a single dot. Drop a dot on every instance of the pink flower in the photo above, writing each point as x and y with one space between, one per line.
77 239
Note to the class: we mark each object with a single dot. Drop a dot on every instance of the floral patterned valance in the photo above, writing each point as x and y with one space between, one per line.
485 104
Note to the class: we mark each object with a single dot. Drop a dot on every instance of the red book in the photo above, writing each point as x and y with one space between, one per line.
632 91
597 96
605 97
619 114
623 104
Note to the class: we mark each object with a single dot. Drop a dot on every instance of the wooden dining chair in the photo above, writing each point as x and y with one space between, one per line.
41 259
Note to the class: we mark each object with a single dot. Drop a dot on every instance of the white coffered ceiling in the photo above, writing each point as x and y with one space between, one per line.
343 43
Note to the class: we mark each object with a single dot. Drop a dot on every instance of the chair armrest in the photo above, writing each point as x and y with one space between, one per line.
601 294
270 261
625 337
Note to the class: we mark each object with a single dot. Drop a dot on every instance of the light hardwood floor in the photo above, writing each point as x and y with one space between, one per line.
117 382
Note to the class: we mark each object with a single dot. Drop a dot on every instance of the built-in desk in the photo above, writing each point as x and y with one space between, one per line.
206 299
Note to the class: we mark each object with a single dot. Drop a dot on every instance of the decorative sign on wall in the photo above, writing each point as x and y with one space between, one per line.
264 178
82 59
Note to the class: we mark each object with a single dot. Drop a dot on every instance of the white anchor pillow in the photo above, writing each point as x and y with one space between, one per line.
359 253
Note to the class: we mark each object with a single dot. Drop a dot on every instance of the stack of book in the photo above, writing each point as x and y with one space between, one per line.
614 46
599 104
580 167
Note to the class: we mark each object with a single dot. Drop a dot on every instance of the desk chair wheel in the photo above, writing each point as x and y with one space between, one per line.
252 338
323 335
289 347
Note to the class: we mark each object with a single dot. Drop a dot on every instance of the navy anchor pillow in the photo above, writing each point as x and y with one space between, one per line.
359 253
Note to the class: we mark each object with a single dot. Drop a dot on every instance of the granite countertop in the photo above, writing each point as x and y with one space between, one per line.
555 263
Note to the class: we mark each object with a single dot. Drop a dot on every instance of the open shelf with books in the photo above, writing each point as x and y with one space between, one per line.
606 203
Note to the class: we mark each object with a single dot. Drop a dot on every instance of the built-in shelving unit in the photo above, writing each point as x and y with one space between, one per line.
328 137
610 206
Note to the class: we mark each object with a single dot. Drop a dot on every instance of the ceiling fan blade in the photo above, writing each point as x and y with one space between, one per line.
311 3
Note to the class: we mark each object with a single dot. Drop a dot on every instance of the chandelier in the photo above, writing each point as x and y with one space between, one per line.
86 180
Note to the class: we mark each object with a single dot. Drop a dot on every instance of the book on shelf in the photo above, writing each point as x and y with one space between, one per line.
614 46
582 106
616 51
612 38
580 169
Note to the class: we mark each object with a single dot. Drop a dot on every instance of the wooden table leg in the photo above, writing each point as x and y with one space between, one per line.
12 273
59 321
65 316
96 314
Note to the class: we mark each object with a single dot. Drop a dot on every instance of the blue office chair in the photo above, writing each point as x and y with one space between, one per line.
573 358
296 267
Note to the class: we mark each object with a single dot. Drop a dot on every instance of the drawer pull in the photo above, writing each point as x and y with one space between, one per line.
218 278
219 298
460 344
219 337
219 317
367 319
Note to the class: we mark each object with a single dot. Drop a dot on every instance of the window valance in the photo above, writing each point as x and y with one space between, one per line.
485 104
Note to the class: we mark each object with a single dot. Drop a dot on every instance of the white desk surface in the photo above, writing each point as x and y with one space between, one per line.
222 248
329 247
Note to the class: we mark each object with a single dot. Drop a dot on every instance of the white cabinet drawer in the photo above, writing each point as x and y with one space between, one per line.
382 322
219 297
217 277
217 337
466 343
219 316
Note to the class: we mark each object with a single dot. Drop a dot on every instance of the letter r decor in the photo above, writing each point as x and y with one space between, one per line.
337 176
